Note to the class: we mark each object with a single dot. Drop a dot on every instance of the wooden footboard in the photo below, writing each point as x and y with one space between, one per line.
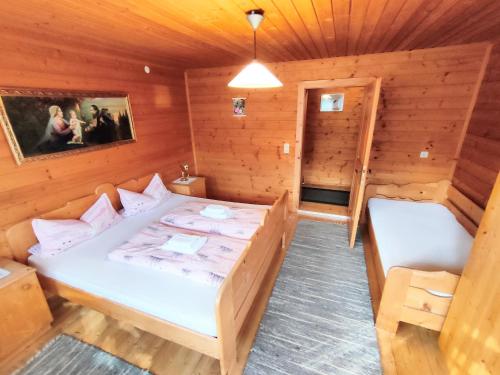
241 286
406 298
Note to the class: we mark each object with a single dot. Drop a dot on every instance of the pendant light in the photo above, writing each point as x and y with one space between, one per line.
255 75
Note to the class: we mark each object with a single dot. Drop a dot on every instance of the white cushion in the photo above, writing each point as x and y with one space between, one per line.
135 203
157 189
56 236
101 215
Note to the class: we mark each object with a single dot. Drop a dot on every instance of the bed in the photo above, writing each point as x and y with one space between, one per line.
421 236
206 318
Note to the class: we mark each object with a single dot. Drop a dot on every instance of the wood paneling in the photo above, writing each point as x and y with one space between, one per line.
198 33
160 115
479 160
322 166
425 94
471 333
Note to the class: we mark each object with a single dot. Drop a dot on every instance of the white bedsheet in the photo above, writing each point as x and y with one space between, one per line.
419 235
169 297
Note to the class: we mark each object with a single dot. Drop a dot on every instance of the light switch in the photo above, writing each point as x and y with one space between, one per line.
424 154
286 148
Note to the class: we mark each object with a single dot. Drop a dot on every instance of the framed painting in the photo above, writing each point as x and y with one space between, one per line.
332 103
41 124
239 107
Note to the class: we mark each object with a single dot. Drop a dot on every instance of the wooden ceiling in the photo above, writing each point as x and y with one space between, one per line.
205 33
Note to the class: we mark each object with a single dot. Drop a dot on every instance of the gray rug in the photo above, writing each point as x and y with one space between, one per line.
66 355
319 318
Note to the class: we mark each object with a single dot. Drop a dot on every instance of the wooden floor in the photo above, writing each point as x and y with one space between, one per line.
413 351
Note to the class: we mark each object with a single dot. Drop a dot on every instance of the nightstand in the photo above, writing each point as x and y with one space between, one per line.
24 313
195 186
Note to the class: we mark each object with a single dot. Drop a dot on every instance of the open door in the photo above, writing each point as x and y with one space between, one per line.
299 146
362 159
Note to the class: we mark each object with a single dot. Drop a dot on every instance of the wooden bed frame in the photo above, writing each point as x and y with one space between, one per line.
234 300
403 294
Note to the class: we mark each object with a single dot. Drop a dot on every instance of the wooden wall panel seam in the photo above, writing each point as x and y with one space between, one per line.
479 159
470 109
190 120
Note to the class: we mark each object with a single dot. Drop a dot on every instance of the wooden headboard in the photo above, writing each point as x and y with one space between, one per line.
430 192
465 210
21 237
135 184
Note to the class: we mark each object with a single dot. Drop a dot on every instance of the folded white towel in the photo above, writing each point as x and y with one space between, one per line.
184 243
216 208
216 211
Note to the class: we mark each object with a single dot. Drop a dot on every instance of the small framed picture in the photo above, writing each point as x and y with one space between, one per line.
332 103
239 107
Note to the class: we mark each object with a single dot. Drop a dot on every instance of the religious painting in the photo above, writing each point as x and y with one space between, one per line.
332 103
239 108
41 123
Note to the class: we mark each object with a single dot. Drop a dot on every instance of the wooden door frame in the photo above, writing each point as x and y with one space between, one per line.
301 117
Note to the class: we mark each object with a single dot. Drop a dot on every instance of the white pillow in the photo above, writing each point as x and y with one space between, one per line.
56 236
157 189
101 215
135 203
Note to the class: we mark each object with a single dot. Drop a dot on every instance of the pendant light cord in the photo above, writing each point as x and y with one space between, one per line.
255 44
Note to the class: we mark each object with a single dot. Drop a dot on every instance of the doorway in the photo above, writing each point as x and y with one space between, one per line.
332 122
335 122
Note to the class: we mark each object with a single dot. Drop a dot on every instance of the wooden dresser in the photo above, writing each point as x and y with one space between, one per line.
24 313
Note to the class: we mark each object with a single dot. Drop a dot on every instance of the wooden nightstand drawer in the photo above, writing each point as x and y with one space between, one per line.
194 187
24 313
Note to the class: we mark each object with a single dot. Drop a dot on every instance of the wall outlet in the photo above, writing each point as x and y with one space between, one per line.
286 148
424 154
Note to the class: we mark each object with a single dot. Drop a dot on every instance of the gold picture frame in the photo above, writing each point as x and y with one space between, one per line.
47 123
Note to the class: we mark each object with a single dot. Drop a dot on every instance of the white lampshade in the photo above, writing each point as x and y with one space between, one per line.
255 76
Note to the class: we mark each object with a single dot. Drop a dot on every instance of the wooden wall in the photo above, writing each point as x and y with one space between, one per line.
159 107
471 333
479 160
425 96
331 139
